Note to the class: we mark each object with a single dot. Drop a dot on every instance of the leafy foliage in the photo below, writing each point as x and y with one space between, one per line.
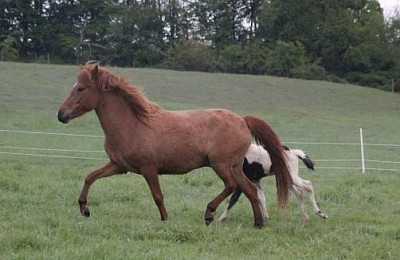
327 39
7 49
190 56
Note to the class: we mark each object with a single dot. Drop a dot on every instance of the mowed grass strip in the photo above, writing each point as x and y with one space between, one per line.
39 214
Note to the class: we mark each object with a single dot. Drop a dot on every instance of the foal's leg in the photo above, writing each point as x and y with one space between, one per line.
232 201
107 170
298 192
263 202
309 188
151 176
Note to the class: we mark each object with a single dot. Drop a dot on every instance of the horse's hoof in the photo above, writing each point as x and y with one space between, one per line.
209 220
86 213
258 225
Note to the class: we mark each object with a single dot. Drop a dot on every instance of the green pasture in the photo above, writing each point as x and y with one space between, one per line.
40 181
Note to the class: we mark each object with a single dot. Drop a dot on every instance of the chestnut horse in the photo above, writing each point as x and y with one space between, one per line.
143 138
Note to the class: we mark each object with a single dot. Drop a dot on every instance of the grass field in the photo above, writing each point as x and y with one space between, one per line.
39 215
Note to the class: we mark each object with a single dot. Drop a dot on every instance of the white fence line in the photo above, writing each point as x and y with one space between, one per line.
377 161
49 149
53 156
362 161
101 136
48 133
322 143
355 144
383 169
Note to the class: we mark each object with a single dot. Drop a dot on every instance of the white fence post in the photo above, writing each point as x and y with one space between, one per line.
362 151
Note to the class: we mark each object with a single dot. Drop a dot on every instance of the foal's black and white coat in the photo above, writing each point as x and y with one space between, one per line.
257 165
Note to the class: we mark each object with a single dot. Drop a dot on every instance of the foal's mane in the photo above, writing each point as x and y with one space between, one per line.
107 81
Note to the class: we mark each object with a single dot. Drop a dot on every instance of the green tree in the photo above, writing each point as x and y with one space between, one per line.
136 33
8 52
190 57
244 59
221 22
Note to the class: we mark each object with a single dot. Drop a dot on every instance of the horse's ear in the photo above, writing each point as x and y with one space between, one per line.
110 84
95 71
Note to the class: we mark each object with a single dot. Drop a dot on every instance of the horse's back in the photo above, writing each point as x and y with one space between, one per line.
219 128
190 139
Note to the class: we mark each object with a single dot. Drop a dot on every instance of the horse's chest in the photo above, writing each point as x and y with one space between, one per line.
124 156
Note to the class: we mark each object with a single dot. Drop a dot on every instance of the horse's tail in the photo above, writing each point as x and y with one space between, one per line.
304 158
265 135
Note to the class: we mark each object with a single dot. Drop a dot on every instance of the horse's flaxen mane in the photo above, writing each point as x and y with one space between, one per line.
106 81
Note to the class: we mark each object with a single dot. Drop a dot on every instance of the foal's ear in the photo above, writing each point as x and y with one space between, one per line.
95 71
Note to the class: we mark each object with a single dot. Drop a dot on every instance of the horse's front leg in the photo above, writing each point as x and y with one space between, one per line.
151 176
107 170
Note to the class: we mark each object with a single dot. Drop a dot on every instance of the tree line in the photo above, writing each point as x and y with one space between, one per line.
337 40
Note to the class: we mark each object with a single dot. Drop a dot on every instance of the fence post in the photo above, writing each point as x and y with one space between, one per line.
362 151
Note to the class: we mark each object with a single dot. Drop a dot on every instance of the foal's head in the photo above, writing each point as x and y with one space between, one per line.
85 94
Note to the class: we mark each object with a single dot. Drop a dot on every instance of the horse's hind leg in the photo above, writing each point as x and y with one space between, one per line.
235 196
232 201
251 192
230 185
233 177
105 171
309 188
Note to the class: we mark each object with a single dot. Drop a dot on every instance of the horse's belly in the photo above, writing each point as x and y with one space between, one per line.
181 163
205 138
173 161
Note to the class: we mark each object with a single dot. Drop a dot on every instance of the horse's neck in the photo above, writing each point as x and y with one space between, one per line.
115 115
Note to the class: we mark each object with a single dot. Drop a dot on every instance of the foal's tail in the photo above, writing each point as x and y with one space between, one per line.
304 158
265 135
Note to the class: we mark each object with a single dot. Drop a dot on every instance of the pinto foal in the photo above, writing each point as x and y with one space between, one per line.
257 165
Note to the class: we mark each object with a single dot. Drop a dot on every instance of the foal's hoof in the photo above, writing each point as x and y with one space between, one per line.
209 220
322 215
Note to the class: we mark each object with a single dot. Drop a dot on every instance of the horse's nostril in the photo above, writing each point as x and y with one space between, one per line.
63 117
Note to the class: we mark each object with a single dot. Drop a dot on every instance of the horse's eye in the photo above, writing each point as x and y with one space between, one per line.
80 89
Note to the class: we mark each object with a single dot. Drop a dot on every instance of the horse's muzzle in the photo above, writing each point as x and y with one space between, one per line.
63 117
